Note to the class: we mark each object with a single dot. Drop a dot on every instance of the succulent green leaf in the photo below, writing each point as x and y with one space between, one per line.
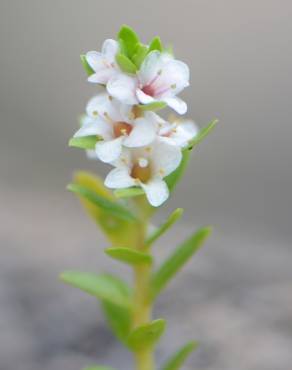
177 260
177 360
128 192
175 216
105 287
99 368
86 142
118 319
146 335
202 134
129 256
155 44
107 205
129 40
173 178
126 64
89 71
155 106
140 54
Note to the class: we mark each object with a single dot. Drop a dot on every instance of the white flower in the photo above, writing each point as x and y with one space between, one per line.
104 63
114 123
160 78
179 132
146 167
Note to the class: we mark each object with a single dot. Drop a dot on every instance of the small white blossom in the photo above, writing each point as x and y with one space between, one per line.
115 124
103 63
146 167
161 78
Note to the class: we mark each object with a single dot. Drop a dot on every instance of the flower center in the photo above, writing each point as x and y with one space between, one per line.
122 128
141 170
149 90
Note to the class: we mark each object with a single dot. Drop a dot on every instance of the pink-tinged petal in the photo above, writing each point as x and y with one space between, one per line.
123 87
166 157
102 76
152 65
92 126
144 98
177 104
156 192
109 49
143 133
95 60
109 151
119 178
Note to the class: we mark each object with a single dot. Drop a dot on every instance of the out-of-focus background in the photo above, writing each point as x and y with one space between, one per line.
236 295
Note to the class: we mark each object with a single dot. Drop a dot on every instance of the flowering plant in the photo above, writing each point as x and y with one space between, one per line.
148 155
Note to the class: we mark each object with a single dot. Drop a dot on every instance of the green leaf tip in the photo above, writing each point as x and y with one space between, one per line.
129 40
129 256
155 106
177 260
202 134
146 335
86 142
174 216
105 287
128 192
107 205
89 71
178 358
126 64
155 44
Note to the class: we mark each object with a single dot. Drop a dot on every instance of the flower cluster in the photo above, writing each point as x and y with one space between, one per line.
137 80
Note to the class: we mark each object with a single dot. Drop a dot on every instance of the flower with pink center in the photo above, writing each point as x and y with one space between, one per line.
160 79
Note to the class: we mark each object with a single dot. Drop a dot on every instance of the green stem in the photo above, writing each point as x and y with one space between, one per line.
144 358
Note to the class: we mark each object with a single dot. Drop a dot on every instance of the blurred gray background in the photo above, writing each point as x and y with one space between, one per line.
236 295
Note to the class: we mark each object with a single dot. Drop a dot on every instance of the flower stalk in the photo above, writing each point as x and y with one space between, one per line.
148 155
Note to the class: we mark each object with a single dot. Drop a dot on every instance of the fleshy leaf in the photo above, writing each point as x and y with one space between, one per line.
86 142
146 335
140 54
129 256
155 106
128 192
129 40
105 287
116 229
118 318
126 64
202 134
176 215
99 368
177 260
107 205
89 71
155 44
177 360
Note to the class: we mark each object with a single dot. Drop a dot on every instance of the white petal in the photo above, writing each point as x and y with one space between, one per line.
184 132
119 178
143 133
93 127
175 74
151 65
103 103
143 98
102 76
166 157
156 192
95 60
109 151
123 88
177 104
109 49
